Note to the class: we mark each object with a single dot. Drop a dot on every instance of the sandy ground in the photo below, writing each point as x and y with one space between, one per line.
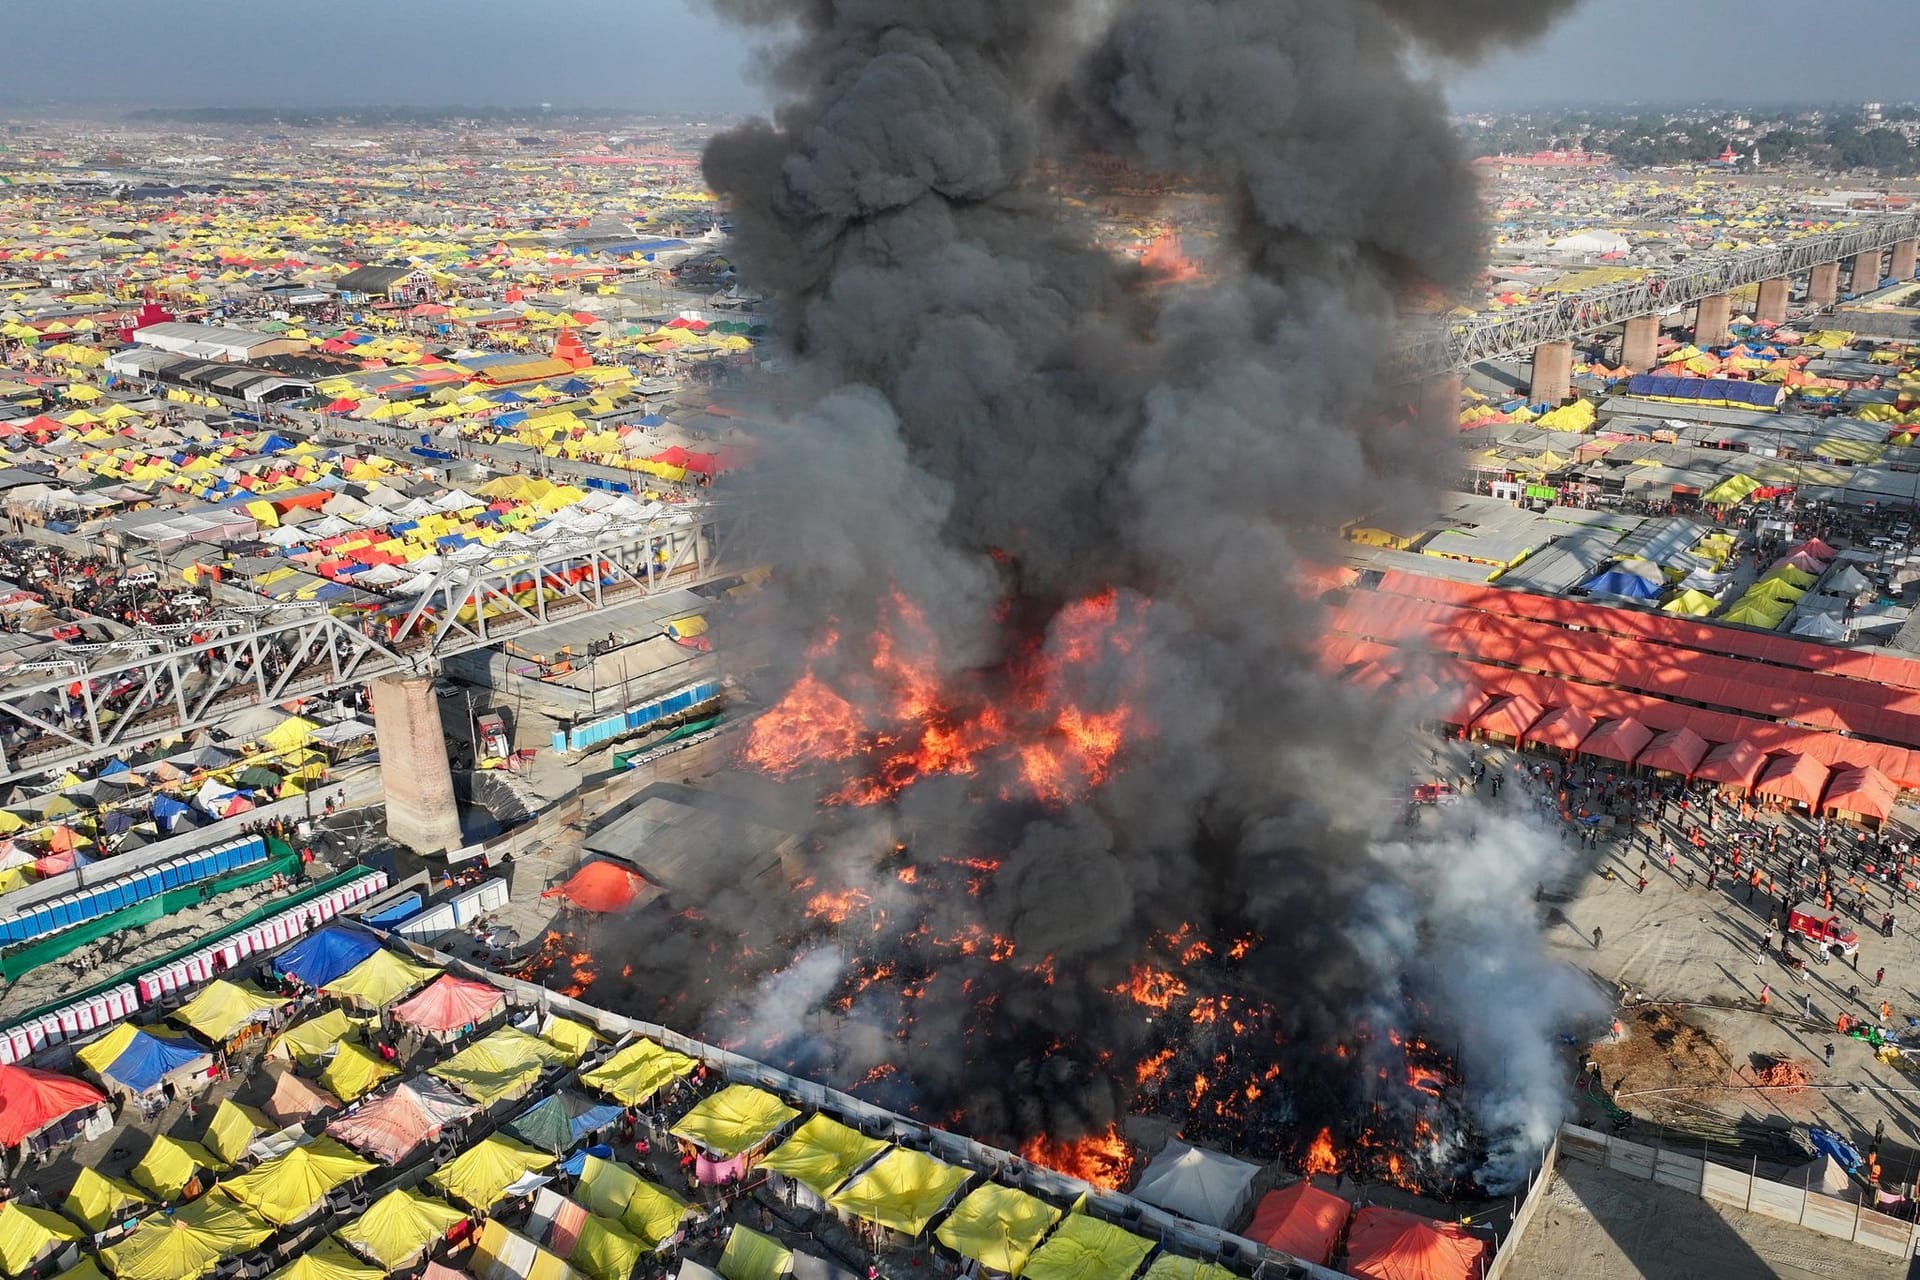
1596 1224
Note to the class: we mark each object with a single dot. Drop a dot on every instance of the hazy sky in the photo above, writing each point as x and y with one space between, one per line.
665 55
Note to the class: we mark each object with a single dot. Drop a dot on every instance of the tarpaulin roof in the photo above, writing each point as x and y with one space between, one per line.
1620 739
1205 1186
1791 776
500 1064
170 1164
822 1154
99 1055
97 1201
902 1191
572 1038
1675 751
326 955
187 1242
1562 729
482 1173
1864 791
397 1226
1088 1249
501 1253
560 1120
736 1119
602 887
232 1129
637 1072
85 1269
315 1039
752 1256
329 1260
355 1070
1734 763
1510 717
449 1003
1392 1244
223 1008
1171 1266
380 979
149 1059
1301 1220
27 1235
295 1098
286 1189
615 1191
997 1226
31 1100
394 1124
604 1249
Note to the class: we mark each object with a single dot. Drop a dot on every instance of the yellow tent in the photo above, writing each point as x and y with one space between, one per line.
752 1256
397 1227
170 1164
327 1261
481 1174
998 1227
287 1188
85 1269
290 733
221 1010
232 1129
1733 490
1171 1266
380 979
354 1071
97 1201
902 1191
572 1038
1087 1249
615 1191
637 1072
1694 604
604 1250
311 1041
187 1242
28 1235
99 1055
500 1252
822 1154
503 1063
735 1120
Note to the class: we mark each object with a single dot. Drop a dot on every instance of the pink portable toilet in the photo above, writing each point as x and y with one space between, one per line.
116 1002
196 967
83 1011
69 1018
19 1043
50 1033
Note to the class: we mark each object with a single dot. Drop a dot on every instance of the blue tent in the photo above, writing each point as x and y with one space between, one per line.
321 957
559 1121
112 767
148 1059
576 1164
1619 583
167 811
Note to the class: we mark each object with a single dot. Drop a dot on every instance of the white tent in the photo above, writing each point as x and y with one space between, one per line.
1205 1186
1820 626
1848 582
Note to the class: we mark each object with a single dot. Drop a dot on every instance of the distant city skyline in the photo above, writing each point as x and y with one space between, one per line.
676 57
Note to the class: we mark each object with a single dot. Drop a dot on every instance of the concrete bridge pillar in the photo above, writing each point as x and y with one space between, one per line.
1440 399
1904 260
1710 321
1863 273
1772 306
1640 344
1552 373
1823 284
421 813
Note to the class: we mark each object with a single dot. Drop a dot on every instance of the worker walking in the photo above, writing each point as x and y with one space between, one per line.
1596 937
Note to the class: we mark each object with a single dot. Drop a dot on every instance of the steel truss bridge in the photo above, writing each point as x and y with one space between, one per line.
161 681
1497 334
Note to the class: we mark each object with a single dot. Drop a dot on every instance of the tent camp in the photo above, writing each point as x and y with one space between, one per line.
327 1261
188 1242
503 1254
37 1104
1301 1220
1677 751
449 1007
398 1227
1084 1247
232 1130
1863 793
1733 764
1392 1244
379 980
170 1164
393 1125
634 1074
290 1188
327 955
902 1191
1793 778
295 1098
1205 1186
750 1255
140 1062
604 887
998 1227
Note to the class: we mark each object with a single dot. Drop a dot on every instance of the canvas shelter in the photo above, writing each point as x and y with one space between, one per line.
312 1042
611 1190
380 979
1560 729
1301 1220
295 1098
575 1039
1509 718
326 955
1392 1244
226 1012
485 1172
1085 1248
148 1061
28 1236
1171 1266
561 1121
188 1242
1195 1183
1734 764
1677 751
1619 739
503 1254
998 1227
448 1006
289 1188
327 1260
393 1125
734 1122
634 1074
171 1163
1794 778
33 1101
604 1250
902 1191
603 888
749 1255
398 1227
823 1153
1861 793
232 1129
504 1063
355 1071
97 1201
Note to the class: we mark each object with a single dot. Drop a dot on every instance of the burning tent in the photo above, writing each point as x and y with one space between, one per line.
604 887
1301 1220
1392 1244
1205 1186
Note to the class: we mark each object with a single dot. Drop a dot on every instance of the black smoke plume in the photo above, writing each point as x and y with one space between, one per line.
1004 417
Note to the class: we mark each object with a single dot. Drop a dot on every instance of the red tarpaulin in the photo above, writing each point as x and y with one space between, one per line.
31 1100
1863 791
1621 740
1676 751
1391 1244
448 1003
1793 777
602 887
1509 717
1734 764
1301 1220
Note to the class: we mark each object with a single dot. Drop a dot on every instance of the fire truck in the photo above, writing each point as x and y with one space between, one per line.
1823 930
1433 793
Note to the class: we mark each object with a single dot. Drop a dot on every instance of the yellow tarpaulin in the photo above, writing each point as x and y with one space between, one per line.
481 1174
312 1040
169 1164
752 1256
605 1250
187 1242
232 1130
501 1064
902 1191
1087 1249
327 1261
85 1269
97 1201
354 1071
223 1008
822 1154
397 1227
380 979
27 1235
1171 1266
570 1037
288 1187
734 1120
637 1072
614 1191
294 731
998 1227
1731 491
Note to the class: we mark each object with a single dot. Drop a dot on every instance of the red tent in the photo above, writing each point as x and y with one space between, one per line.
1675 751
449 1003
1733 763
1620 739
1561 729
1793 777
1301 1220
1392 1244
31 1101
603 887
1510 717
1863 791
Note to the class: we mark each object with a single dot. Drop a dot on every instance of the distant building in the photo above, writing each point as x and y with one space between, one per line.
215 342
385 284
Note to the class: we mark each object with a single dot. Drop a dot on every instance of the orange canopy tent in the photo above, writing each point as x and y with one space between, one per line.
1675 751
1734 764
1865 791
1392 1244
603 887
1793 777
1561 729
1510 717
1620 739
1301 1220
448 1003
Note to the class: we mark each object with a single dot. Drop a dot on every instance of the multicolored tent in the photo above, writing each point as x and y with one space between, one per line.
398 1227
998 1227
903 1191
734 1121
822 1154
149 1060
503 1254
288 1188
33 1101
188 1242
393 1125
484 1172
1087 1249
637 1072
449 1004
561 1121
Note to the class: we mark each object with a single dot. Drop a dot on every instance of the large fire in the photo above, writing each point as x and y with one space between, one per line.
1102 1160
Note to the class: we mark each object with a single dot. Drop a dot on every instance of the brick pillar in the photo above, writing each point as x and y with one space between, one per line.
1905 260
1552 373
1640 344
1710 321
413 765
1440 397
1863 273
1772 307
1823 284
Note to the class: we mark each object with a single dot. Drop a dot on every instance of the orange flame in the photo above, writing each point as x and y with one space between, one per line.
835 908
1103 1160
1151 988
1153 1071
1321 1157
811 723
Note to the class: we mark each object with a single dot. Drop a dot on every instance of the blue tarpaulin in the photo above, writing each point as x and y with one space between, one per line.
149 1059
326 955
1620 583
1713 390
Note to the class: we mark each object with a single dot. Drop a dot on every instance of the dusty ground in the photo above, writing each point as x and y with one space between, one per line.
1596 1224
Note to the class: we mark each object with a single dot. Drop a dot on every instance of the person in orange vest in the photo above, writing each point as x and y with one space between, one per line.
1766 994
1886 1011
